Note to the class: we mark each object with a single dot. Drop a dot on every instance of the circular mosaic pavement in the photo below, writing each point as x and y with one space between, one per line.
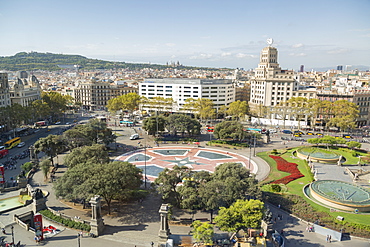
156 159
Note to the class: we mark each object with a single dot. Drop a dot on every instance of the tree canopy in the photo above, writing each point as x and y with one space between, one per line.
229 129
243 214
109 180
96 153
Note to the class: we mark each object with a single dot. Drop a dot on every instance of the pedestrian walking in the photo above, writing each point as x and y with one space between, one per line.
329 238
3 230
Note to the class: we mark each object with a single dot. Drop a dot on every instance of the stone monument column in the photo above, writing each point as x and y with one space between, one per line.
39 201
164 230
33 156
97 223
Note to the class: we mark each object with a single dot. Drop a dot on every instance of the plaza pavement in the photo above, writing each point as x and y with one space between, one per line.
139 224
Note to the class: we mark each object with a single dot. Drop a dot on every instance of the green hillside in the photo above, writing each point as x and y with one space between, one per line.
48 61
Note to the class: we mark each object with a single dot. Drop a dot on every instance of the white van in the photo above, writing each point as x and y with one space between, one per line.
134 136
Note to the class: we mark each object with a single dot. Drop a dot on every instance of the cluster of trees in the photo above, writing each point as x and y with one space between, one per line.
90 171
207 191
175 123
51 104
202 108
233 130
340 113
331 140
81 135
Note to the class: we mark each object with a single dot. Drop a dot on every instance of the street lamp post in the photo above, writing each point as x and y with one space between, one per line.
78 240
12 234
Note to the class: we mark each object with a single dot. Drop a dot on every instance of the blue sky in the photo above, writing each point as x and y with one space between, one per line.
209 33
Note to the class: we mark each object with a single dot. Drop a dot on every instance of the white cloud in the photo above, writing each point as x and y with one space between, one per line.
338 51
298 54
170 44
298 45
240 55
225 54
201 56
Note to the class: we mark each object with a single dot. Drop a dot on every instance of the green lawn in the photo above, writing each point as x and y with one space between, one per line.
295 187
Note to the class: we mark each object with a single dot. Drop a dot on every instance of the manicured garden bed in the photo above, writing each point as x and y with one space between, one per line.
293 200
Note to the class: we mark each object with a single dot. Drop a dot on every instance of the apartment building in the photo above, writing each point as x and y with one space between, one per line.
220 91
4 90
25 91
93 94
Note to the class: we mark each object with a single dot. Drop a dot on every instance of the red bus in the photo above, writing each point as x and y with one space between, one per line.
3 151
40 123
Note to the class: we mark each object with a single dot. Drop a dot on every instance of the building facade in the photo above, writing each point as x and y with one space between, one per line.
220 91
4 90
93 95
25 91
271 85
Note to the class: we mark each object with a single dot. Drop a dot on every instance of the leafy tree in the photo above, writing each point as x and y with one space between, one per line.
298 108
56 102
281 111
202 107
237 109
182 123
45 166
26 167
50 145
353 144
92 132
40 109
243 214
202 232
229 129
129 102
150 124
109 180
80 135
168 183
96 153
158 104
99 131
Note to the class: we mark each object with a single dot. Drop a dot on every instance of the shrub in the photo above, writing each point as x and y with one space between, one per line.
275 188
66 222
274 152
26 167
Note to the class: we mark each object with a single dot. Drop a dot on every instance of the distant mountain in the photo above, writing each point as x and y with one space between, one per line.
48 61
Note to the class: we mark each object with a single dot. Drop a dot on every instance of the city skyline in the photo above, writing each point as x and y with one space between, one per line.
196 33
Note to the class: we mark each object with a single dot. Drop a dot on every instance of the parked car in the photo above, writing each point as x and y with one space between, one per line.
134 136
22 144
319 134
272 131
287 132
310 133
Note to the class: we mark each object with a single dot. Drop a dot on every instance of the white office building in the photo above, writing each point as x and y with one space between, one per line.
220 91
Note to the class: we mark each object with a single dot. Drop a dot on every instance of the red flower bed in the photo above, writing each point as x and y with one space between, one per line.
285 166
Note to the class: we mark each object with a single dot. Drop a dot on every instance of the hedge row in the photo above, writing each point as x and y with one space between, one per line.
232 143
66 222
